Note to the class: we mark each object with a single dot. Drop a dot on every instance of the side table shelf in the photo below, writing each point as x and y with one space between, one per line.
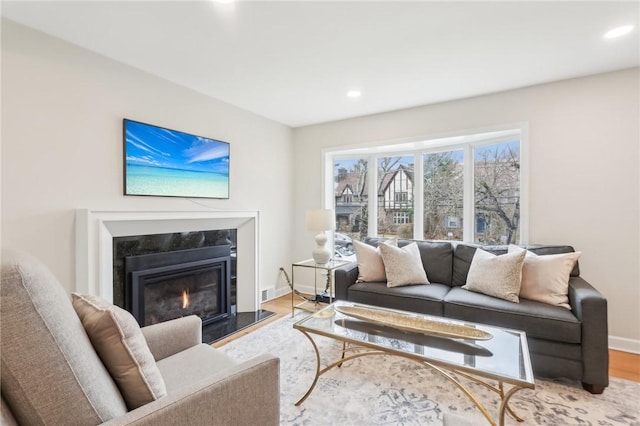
311 304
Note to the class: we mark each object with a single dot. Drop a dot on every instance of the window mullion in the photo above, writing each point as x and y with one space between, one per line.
372 196
468 195
418 196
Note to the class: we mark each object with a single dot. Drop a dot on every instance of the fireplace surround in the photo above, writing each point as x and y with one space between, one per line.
96 229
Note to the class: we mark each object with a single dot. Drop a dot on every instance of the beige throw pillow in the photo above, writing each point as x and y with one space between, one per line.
403 266
497 276
546 278
116 337
370 265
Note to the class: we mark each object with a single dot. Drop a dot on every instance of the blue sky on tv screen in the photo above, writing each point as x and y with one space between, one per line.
148 145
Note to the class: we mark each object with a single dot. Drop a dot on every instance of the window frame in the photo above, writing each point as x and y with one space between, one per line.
466 141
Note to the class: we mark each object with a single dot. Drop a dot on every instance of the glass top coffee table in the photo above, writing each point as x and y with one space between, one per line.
481 353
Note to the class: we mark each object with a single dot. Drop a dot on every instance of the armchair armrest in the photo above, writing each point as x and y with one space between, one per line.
345 276
170 337
590 307
248 393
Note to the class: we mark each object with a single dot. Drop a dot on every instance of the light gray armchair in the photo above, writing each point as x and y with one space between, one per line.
52 375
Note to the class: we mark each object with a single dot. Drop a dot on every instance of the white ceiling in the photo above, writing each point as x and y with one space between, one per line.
294 61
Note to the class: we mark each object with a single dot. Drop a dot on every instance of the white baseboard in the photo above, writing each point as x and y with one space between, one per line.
623 344
281 291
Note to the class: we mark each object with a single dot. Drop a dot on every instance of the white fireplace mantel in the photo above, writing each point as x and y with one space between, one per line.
95 230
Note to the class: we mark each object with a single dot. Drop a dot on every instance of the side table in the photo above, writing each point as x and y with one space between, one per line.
315 299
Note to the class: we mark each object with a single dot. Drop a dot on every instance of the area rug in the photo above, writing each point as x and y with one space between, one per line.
386 390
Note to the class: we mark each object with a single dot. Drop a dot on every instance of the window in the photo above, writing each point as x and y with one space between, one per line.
349 183
497 192
401 197
452 222
466 188
400 218
443 195
394 186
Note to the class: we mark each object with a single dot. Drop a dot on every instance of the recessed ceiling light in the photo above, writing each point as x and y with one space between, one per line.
224 1
619 31
354 93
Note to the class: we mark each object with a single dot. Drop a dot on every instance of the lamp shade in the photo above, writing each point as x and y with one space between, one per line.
321 220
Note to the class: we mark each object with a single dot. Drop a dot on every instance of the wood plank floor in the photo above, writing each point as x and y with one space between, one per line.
624 365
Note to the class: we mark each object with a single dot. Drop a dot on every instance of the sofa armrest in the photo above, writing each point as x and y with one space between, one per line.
345 276
170 337
590 307
248 393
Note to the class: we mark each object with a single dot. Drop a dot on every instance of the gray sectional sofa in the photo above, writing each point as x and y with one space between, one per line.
563 343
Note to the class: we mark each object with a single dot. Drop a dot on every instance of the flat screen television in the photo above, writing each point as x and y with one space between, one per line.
170 163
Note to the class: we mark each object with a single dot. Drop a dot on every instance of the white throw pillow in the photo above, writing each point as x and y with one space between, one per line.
546 278
403 266
118 340
497 276
370 265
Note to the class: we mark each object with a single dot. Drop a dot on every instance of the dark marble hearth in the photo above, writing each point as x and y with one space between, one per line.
236 322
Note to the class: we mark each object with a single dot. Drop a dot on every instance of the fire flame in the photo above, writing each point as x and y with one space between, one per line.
185 298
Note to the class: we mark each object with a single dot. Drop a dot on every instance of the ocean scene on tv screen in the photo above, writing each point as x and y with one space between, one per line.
167 162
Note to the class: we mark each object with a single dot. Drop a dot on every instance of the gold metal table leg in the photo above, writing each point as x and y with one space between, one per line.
320 372
315 380
504 404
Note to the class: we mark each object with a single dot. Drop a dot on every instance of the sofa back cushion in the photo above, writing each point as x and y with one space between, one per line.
50 373
437 258
463 254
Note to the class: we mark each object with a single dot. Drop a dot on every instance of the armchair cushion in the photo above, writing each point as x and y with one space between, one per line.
217 398
193 365
50 371
117 339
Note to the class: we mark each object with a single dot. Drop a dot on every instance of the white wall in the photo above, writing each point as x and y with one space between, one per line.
584 182
62 110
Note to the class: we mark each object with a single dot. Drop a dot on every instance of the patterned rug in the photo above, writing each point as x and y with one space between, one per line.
386 390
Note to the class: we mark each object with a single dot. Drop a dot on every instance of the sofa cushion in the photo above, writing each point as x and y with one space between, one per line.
426 299
545 278
437 260
403 266
50 371
497 276
437 257
462 257
117 338
370 264
537 319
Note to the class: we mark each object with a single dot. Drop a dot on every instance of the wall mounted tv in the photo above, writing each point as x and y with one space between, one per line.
169 163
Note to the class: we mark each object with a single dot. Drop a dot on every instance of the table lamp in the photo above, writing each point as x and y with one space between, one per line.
321 220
